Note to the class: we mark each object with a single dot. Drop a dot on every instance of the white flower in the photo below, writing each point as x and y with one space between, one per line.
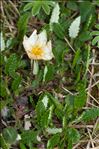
37 47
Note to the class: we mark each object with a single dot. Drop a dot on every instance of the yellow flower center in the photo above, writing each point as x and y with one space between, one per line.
37 51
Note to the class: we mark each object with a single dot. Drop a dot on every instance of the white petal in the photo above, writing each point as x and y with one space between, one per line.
48 54
42 38
33 38
28 43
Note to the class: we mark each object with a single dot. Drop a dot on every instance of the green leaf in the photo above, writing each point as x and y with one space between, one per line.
42 114
73 135
72 5
12 65
80 99
10 135
58 30
90 114
95 40
85 36
44 120
50 72
87 62
86 9
22 25
97 26
59 49
2 61
3 90
76 58
95 33
4 145
53 141
40 110
16 82
22 146
55 101
36 7
46 7
29 136
28 6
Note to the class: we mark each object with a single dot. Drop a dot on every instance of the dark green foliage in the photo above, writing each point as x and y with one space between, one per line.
90 114
73 135
16 82
59 49
86 8
3 90
58 30
36 8
29 136
54 99
12 65
10 135
72 5
22 25
53 141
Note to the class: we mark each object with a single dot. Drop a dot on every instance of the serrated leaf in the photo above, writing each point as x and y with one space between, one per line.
74 28
22 24
44 120
3 91
55 14
73 135
72 5
16 82
58 30
29 136
40 110
90 114
36 8
10 135
76 58
95 33
97 26
49 72
95 40
86 8
60 47
12 65
46 7
80 99
53 141
55 101
28 6
3 144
